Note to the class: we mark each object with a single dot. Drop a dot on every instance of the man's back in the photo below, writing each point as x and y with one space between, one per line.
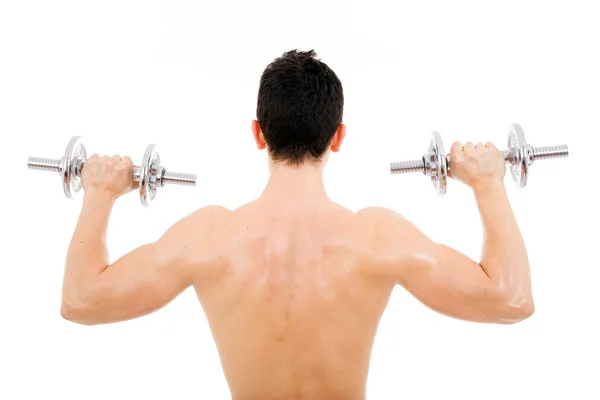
293 303
294 285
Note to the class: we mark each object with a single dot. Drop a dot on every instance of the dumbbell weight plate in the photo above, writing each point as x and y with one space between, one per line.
147 176
439 166
74 153
519 165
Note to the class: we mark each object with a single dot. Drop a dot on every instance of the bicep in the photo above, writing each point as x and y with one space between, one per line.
442 278
152 275
138 283
450 283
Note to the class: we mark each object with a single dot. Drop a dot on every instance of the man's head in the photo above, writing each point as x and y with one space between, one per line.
299 111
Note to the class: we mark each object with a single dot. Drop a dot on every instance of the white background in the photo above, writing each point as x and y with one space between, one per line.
185 74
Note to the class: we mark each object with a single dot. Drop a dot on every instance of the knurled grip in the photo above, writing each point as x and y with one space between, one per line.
538 153
519 155
150 175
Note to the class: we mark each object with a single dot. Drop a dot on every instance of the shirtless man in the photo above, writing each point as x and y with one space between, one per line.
294 285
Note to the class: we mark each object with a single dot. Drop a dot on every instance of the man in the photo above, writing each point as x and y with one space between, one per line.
294 285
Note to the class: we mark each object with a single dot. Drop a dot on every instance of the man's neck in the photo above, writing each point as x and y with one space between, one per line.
295 184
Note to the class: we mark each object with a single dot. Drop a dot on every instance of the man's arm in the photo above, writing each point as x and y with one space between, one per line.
497 289
141 281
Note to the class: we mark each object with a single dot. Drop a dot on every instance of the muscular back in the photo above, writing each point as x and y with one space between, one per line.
292 302
294 285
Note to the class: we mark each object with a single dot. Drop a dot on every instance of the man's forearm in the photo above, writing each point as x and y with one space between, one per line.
87 255
504 256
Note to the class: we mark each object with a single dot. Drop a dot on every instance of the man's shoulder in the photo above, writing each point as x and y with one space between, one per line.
203 218
379 215
211 212
386 224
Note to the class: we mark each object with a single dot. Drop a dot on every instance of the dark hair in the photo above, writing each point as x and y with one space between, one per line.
300 106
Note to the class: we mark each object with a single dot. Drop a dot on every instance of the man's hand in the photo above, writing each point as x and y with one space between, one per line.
477 166
112 175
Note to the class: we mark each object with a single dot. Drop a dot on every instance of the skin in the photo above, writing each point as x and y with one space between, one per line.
293 279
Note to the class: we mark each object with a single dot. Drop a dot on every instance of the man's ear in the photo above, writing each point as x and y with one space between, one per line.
259 138
338 138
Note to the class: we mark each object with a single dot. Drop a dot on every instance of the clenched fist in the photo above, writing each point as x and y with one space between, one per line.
477 165
109 174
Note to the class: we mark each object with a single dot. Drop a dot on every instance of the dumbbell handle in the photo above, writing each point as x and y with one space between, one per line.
53 165
43 164
538 153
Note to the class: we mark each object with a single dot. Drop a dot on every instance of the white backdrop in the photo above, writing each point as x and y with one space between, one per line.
185 74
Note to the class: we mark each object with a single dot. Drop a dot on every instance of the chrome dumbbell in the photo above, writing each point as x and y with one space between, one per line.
150 174
520 155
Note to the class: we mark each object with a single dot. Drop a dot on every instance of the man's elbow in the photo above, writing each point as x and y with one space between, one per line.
517 311
77 312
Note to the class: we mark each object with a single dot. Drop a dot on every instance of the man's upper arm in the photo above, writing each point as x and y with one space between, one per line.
440 277
152 275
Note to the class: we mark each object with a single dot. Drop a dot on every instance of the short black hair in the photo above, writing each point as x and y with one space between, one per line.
300 106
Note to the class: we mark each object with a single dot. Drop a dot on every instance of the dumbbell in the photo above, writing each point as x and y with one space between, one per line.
520 155
150 174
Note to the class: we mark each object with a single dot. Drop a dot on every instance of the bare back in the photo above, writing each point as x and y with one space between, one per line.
292 305
294 287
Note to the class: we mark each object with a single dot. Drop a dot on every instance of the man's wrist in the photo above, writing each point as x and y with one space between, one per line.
99 195
491 187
